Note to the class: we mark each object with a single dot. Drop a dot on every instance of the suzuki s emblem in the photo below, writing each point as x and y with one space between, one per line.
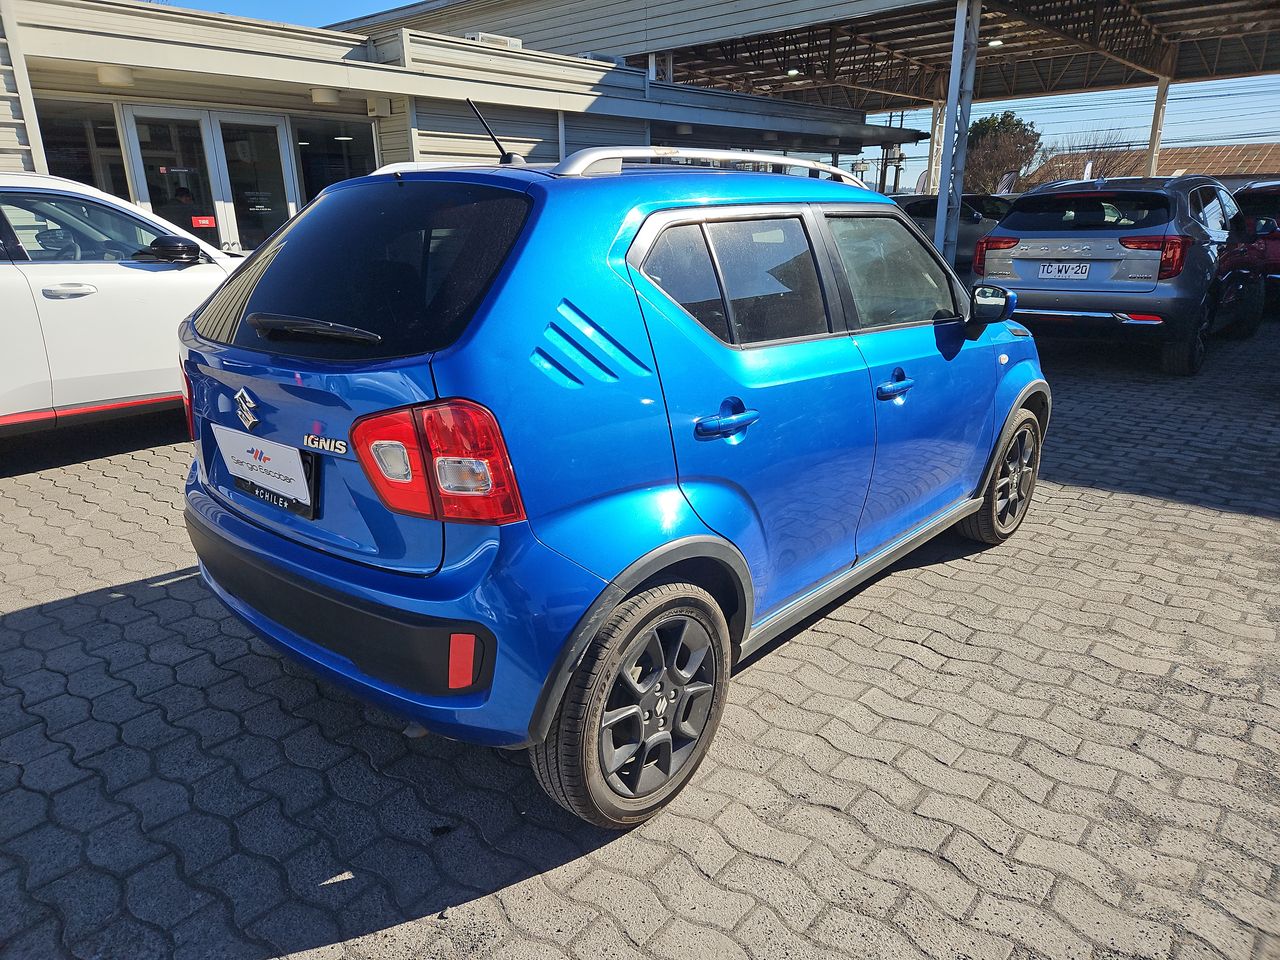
245 405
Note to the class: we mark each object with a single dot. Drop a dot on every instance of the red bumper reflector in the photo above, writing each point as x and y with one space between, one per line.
462 660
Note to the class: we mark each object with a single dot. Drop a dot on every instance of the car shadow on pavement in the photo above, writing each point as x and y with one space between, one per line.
174 787
50 449
1212 441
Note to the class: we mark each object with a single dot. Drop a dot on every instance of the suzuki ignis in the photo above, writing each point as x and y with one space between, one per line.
534 455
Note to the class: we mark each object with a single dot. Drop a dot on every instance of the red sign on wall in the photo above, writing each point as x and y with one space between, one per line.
203 222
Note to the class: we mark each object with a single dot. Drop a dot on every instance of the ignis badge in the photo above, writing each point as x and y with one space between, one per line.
327 444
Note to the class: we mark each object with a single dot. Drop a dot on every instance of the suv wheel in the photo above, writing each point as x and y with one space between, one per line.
1185 357
641 709
1008 492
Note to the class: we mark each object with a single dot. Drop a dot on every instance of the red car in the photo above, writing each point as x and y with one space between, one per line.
1261 200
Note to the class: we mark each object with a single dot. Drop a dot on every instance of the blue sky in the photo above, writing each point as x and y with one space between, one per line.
1222 111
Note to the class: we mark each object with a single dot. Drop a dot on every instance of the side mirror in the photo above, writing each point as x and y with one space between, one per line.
992 305
975 217
174 250
1263 226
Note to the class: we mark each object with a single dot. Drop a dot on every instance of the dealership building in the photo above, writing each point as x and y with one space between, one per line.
227 125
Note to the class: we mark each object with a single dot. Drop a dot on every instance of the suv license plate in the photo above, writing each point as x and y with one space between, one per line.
269 471
1064 271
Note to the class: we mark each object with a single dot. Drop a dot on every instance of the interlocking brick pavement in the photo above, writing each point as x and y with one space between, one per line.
1068 746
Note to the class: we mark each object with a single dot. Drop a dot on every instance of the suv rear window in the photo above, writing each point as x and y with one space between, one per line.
1128 210
407 260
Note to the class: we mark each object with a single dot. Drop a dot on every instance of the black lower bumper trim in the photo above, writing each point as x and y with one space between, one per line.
405 650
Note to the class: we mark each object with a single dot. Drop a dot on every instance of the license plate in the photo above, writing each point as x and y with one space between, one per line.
268 470
1064 271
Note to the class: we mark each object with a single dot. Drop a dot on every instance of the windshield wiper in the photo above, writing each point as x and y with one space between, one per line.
268 324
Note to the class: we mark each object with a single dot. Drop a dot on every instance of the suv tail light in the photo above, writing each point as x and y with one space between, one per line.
445 460
1173 251
989 243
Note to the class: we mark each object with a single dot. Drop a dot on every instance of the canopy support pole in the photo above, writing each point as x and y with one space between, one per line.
1157 126
955 142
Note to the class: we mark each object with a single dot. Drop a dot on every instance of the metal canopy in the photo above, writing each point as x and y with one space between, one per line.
900 58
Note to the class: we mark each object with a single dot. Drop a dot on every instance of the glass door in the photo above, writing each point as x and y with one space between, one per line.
257 165
226 177
171 152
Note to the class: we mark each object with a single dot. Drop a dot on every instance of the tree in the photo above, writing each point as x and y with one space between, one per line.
998 145
1103 153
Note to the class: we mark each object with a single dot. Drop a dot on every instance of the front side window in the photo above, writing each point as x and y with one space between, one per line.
770 279
54 228
892 276
680 264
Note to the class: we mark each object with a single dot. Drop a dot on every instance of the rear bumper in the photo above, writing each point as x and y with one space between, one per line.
1106 316
385 636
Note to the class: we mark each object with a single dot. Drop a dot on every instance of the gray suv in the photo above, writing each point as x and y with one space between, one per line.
1164 260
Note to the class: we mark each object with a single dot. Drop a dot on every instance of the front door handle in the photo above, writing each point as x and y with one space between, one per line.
69 291
725 425
894 388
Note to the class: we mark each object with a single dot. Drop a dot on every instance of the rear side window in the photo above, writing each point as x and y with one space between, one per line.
892 277
409 261
1206 206
1127 210
680 264
1256 203
770 279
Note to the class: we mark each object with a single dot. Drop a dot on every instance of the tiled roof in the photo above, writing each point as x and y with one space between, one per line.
1218 160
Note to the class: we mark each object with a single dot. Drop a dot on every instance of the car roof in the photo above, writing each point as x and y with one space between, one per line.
1261 186
643 181
1109 184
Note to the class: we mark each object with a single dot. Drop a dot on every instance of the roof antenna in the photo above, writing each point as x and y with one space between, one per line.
504 156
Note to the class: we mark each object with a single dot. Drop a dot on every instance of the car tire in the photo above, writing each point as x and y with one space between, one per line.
1017 468
1185 357
1251 322
630 733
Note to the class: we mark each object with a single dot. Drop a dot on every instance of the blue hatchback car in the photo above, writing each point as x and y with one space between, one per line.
533 455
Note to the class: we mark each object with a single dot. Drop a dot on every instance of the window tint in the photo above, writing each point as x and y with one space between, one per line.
1256 203
408 260
1207 208
770 279
992 208
893 277
1100 210
680 264
923 209
53 228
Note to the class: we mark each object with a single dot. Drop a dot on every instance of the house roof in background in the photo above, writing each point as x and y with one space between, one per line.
1217 160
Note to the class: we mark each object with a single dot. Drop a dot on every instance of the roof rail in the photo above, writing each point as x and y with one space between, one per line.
604 160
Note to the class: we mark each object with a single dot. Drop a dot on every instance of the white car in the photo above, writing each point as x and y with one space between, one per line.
92 289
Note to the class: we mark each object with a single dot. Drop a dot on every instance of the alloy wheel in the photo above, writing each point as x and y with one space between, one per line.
1017 477
657 707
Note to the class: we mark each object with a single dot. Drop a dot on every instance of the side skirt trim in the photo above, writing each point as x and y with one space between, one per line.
781 621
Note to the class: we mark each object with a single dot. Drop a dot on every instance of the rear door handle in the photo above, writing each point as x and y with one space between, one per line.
725 425
894 388
69 291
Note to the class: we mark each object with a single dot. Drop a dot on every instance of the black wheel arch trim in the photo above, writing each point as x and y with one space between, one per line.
647 568
1038 386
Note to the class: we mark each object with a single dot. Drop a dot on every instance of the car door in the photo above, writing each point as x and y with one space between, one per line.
25 396
1241 270
766 395
1207 209
933 386
109 317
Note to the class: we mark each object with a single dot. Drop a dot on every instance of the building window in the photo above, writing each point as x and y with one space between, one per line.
332 150
81 143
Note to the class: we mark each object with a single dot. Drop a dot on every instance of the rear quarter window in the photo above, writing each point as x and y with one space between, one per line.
1088 211
408 260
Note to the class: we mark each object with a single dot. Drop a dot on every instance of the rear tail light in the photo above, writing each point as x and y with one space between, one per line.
445 460
989 243
1173 251
187 399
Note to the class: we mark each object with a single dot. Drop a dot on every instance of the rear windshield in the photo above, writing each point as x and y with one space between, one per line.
1127 210
407 260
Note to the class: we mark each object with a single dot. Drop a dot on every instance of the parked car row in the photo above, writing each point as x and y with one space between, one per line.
1160 261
